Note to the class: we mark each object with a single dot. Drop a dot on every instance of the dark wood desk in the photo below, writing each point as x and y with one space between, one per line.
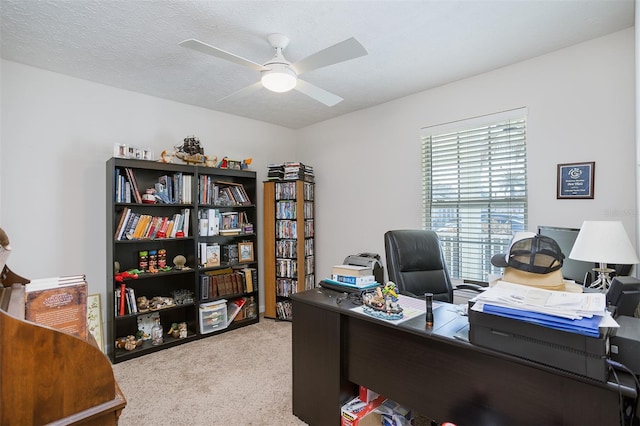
336 349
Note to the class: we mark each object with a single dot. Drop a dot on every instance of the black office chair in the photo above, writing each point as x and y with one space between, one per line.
416 264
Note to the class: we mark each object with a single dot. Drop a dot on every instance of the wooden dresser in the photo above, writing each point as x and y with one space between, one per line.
47 376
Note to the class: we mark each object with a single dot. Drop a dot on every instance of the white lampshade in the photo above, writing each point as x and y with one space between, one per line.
279 78
604 242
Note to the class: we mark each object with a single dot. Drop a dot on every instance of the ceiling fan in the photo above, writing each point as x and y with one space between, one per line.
280 75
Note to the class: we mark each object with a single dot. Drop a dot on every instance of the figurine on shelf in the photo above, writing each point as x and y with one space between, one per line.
133 274
167 157
182 330
173 331
143 304
210 161
190 151
149 196
180 261
131 343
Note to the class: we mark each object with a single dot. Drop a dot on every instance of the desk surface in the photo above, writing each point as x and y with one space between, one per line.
426 368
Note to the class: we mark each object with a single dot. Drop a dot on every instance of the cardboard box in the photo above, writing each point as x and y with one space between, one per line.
356 412
367 395
394 414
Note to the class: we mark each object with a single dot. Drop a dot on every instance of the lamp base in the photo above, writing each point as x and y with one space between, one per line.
604 280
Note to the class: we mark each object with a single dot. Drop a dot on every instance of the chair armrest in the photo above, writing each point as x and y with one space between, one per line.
469 286
408 293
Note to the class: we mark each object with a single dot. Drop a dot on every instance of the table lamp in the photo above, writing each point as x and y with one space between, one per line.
603 242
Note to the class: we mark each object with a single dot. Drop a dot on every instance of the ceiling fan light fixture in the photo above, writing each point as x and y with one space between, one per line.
279 78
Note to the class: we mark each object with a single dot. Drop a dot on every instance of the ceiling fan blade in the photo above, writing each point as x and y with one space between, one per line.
320 95
244 91
219 53
340 52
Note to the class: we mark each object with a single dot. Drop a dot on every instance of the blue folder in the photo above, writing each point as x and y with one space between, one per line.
353 286
585 326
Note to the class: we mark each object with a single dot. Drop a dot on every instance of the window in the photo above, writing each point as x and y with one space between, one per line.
475 188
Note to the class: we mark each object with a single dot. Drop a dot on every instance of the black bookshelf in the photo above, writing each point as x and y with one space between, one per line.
181 288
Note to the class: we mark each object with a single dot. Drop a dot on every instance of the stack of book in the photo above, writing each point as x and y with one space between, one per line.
276 172
296 170
290 170
352 275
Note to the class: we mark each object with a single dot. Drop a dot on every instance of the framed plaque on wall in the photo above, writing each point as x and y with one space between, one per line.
575 180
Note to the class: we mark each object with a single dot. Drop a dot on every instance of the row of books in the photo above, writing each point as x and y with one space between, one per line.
286 229
125 298
169 189
209 254
221 192
308 247
309 262
309 281
287 248
309 230
308 210
214 222
138 226
228 281
286 209
288 191
284 310
286 287
286 268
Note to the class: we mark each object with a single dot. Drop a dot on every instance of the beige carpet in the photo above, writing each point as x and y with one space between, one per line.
242 377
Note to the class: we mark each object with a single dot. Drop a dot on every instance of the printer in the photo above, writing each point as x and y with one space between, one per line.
371 260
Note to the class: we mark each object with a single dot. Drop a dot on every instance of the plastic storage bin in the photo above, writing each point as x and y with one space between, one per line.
213 316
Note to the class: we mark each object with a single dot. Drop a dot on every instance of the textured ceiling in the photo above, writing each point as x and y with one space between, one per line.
412 45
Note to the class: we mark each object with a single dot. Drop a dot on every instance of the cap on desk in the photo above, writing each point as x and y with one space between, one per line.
534 260
530 252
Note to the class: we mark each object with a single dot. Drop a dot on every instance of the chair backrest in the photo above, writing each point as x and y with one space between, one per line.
415 263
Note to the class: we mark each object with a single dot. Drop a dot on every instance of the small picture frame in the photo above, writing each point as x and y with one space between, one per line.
576 180
147 154
94 318
234 165
120 150
245 252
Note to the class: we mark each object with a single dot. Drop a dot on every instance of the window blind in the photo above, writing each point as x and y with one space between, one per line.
475 189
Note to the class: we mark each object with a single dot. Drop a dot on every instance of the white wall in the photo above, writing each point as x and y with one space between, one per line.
57 134
581 108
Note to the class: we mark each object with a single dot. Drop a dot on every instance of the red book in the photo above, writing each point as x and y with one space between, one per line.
123 294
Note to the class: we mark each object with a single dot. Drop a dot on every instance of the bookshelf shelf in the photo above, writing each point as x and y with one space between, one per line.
173 227
288 243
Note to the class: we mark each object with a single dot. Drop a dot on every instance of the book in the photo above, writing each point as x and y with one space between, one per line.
58 302
233 307
134 185
352 270
248 277
212 255
123 298
127 229
350 279
341 286
185 225
121 224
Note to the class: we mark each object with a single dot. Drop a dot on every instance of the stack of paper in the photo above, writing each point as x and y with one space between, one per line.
581 313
